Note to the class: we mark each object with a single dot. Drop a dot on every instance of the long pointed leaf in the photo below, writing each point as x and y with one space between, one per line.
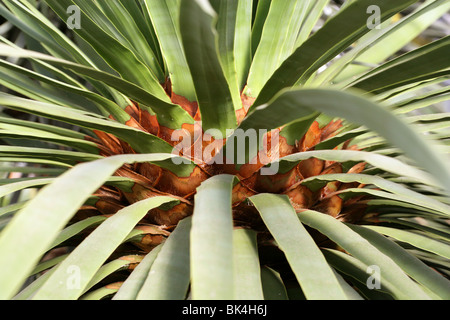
169 276
338 33
396 37
199 41
165 15
89 256
294 104
277 41
211 241
310 267
385 163
133 284
247 272
363 250
169 115
415 239
427 62
46 215
410 264
140 140
127 65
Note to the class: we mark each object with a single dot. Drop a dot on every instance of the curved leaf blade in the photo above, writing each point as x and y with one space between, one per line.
233 28
169 115
46 215
383 162
199 41
169 275
247 271
277 41
356 272
89 256
338 33
363 250
129 290
211 241
272 284
116 54
386 42
293 104
419 271
165 15
416 239
306 260
409 196
138 139
421 64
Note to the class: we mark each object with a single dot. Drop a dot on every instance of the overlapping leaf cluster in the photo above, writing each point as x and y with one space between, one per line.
364 178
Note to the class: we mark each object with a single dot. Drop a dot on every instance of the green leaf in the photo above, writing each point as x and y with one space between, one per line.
398 199
212 241
199 41
315 12
48 264
34 90
165 15
357 274
12 208
242 46
129 290
118 56
233 28
34 23
28 292
100 293
169 115
102 273
432 228
409 196
427 62
411 265
307 262
416 239
143 21
226 27
169 275
277 41
296 104
20 132
272 284
108 269
139 140
295 131
76 228
262 10
46 215
421 102
349 24
350 292
365 251
385 163
20 185
125 23
43 155
89 256
393 38
247 272
101 102
44 127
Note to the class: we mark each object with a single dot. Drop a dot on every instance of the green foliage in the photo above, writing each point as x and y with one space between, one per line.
60 88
